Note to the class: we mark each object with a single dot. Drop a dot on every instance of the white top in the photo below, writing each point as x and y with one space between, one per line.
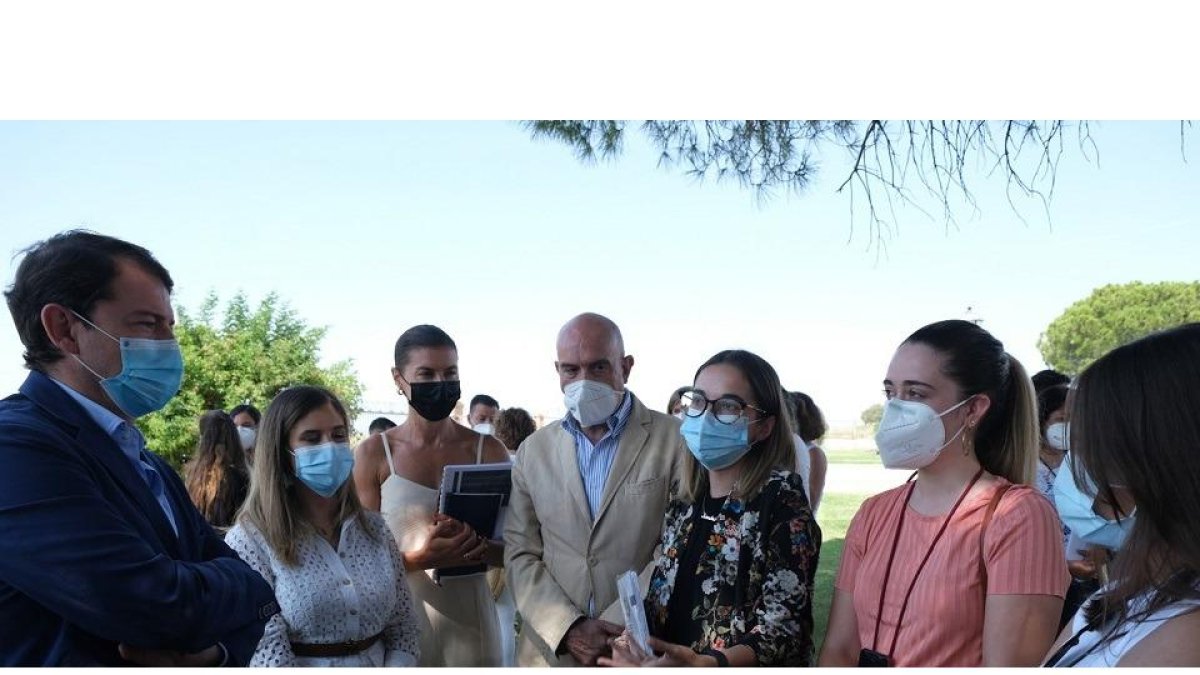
331 596
1044 479
1088 653
803 464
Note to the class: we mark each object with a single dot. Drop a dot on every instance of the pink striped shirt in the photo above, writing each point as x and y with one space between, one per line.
943 625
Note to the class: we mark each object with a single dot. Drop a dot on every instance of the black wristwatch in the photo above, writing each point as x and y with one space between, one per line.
722 660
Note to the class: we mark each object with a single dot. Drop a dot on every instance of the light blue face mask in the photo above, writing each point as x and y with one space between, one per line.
151 372
714 444
324 468
1075 509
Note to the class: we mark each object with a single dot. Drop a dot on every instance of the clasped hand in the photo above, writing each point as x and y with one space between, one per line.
452 543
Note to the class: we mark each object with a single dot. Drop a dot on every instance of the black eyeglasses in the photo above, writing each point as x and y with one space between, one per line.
727 409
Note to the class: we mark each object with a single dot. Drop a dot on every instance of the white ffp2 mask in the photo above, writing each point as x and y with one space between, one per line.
911 434
590 402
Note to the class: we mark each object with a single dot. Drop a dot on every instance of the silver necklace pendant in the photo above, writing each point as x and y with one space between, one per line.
704 509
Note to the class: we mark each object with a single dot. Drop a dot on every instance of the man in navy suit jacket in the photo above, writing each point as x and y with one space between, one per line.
103 558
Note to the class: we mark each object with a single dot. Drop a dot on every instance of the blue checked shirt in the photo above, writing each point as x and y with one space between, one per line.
595 461
132 445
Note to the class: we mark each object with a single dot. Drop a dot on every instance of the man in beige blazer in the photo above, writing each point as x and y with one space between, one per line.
589 494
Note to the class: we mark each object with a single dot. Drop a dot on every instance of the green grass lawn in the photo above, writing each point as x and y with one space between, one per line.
834 518
854 456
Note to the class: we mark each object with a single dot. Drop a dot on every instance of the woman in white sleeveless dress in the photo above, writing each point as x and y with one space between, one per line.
397 472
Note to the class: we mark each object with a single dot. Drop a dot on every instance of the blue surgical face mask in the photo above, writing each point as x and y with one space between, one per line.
714 444
324 468
1075 509
151 372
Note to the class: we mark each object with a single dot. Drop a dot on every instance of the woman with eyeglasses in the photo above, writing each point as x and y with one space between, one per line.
733 584
963 565
1129 483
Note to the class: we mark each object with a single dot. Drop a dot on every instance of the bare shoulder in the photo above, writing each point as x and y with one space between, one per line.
1171 644
369 458
494 450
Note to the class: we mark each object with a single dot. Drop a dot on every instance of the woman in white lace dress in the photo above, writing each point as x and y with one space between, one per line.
337 573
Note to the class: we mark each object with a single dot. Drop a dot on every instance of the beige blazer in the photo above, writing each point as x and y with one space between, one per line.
556 557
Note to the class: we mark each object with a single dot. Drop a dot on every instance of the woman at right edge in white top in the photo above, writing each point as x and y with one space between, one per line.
398 473
1130 483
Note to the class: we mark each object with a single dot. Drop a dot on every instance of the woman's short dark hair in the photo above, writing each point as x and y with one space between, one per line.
249 410
810 423
380 424
74 269
1049 400
484 399
1049 378
1006 443
1134 423
513 426
418 337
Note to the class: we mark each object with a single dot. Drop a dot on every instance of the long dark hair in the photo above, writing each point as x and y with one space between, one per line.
1007 441
1135 422
216 477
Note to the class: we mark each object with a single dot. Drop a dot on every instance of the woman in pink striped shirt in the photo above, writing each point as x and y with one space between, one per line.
963 565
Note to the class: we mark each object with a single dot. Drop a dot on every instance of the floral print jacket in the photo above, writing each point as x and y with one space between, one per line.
757 584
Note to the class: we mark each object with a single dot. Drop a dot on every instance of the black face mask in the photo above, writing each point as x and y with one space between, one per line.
434 400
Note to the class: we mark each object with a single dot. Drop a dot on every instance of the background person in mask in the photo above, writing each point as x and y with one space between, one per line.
1084 562
1052 440
589 493
733 580
399 471
1129 483
963 566
481 414
335 569
103 558
246 418
216 477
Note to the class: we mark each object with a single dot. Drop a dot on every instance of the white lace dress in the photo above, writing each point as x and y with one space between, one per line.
331 596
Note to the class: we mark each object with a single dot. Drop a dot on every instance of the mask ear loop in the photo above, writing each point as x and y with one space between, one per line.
961 429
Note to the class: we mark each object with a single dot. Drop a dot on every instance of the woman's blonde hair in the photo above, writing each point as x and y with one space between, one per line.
776 451
272 505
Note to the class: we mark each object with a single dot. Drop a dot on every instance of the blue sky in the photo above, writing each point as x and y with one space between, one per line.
370 228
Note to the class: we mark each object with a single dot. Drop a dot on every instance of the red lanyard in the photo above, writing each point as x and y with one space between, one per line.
892 556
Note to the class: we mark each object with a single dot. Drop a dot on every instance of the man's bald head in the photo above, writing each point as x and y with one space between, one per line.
593 327
590 347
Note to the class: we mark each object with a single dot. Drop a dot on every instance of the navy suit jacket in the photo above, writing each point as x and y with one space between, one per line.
88 559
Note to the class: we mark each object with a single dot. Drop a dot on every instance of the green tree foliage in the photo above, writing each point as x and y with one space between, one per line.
250 354
1114 315
872 415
